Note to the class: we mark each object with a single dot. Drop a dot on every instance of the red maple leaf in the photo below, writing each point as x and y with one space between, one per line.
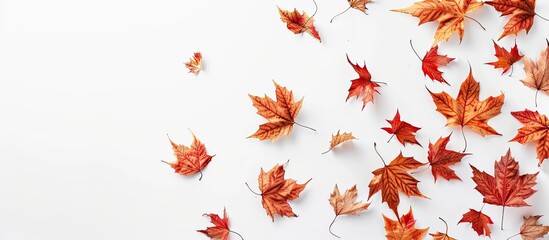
404 131
190 160
363 85
220 230
536 128
441 158
505 59
299 22
479 221
431 62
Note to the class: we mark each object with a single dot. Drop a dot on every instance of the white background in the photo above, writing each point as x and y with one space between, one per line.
89 90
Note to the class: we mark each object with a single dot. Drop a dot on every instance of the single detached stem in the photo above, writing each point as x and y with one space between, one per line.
311 17
464 139
375 148
446 232
252 190
483 28
391 137
310 128
536 98
340 14
413 49
513 236
502 214
542 17
330 227
231 231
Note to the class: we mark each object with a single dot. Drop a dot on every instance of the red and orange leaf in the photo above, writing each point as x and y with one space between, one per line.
363 85
393 179
356 4
277 191
404 229
441 158
432 61
280 114
536 128
345 204
339 139
195 63
189 160
404 131
450 14
298 22
537 73
442 236
505 59
479 221
467 109
522 15
531 230
220 230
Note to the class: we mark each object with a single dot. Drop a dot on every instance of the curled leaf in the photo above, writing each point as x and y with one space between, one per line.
339 139
195 63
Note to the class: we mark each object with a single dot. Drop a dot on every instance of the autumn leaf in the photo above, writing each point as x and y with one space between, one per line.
522 15
536 128
195 63
531 230
189 160
467 109
356 4
404 229
393 179
506 59
507 188
280 114
277 191
479 221
442 236
441 158
339 139
345 204
220 230
363 85
299 22
431 62
404 131
450 14
537 74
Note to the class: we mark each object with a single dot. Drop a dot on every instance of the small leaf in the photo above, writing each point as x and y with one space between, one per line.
195 63
190 160
441 158
339 139
478 220
363 85
345 204
505 59
404 131
404 229
298 22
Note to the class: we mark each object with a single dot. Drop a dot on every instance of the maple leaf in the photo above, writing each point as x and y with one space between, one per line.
363 85
442 236
404 228
195 63
441 158
536 128
449 13
277 191
467 110
345 204
393 179
189 160
479 221
299 22
522 12
505 59
537 74
280 114
356 4
507 188
339 139
220 230
531 230
404 131
431 62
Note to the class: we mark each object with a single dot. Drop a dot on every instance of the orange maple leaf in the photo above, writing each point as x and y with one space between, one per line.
195 63
345 204
506 59
449 13
363 85
536 128
404 131
522 11
356 4
479 221
280 114
277 191
404 228
431 62
393 179
442 236
537 74
441 158
508 188
220 230
299 22
339 139
531 230
467 110
190 160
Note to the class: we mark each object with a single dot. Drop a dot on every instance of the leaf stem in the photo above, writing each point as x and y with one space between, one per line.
201 175
252 190
513 236
502 214
483 28
391 137
413 49
541 17
446 232
310 128
512 69
327 151
464 139
311 17
236 234
536 98
375 148
340 14
384 83
330 227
